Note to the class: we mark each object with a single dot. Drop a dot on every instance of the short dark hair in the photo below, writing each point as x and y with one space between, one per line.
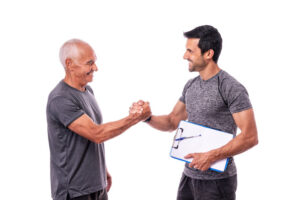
210 38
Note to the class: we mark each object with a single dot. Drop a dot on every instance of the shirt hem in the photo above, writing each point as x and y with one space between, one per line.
78 194
74 118
240 110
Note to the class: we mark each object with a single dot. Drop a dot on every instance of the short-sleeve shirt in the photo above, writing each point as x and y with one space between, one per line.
211 103
77 165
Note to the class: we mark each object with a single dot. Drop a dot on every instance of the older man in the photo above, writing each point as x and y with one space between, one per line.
75 130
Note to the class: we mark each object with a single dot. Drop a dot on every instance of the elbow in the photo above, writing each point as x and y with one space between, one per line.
96 135
172 128
250 140
173 125
98 140
254 140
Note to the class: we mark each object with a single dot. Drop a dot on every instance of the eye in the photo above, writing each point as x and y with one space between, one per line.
90 63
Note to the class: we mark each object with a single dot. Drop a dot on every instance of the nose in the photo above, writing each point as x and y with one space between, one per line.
94 67
185 55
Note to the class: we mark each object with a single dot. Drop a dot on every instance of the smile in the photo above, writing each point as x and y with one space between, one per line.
91 72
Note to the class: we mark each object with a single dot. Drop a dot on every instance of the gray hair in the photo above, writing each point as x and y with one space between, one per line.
69 50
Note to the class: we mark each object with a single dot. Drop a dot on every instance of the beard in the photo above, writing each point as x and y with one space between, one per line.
196 66
192 68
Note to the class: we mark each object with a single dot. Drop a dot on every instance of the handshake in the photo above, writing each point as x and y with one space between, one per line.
140 110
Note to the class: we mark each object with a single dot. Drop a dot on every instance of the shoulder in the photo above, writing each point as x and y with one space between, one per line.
234 93
186 87
226 77
228 82
190 82
60 92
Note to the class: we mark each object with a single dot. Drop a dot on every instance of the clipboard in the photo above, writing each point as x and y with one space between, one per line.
196 138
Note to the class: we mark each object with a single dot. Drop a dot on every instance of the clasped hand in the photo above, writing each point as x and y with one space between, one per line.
140 110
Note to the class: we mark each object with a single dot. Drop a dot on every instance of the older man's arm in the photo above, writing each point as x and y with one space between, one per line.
85 126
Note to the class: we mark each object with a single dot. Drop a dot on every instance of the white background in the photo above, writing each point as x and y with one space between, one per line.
140 45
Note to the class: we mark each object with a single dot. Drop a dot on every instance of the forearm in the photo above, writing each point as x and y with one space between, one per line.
239 144
245 140
163 123
169 122
110 130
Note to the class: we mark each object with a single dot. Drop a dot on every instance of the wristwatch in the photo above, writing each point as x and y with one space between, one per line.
148 119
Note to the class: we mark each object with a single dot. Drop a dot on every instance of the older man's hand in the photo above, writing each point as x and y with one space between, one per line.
140 110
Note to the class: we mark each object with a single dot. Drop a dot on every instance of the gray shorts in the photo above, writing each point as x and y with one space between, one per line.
196 189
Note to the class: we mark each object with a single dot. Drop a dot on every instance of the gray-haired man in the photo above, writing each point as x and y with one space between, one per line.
75 130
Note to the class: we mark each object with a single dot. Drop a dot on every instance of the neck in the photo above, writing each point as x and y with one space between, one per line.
73 83
209 71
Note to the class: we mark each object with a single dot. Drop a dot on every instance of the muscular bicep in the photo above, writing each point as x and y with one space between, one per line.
245 120
84 126
178 113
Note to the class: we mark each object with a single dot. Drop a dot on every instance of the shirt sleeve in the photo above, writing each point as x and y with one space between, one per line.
237 97
187 85
64 110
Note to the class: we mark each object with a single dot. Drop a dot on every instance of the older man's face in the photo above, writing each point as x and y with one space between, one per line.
84 64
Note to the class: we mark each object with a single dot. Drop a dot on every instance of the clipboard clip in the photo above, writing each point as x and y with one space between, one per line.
175 140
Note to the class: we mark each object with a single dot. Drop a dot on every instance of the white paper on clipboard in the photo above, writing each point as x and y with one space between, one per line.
195 138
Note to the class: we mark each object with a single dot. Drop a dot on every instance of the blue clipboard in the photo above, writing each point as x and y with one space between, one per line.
196 138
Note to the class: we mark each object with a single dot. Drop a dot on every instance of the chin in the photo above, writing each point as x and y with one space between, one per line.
191 69
89 79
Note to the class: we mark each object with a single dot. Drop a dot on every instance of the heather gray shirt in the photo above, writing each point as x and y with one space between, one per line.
212 103
77 165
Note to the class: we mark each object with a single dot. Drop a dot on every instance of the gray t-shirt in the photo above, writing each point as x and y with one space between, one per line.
77 165
211 103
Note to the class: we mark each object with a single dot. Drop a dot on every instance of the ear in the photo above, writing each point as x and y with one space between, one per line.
209 54
68 63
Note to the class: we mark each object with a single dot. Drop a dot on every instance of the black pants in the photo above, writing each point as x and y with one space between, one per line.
195 189
100 195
